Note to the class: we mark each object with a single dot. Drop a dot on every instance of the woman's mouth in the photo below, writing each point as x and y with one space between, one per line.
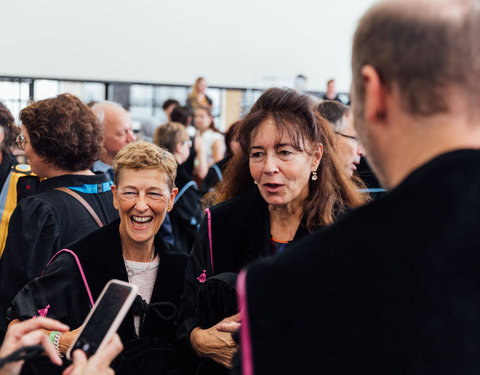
272 188
141 221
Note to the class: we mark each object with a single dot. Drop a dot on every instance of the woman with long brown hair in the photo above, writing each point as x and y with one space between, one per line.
284 184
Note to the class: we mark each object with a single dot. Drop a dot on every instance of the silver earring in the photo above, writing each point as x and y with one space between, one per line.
314 176
255 182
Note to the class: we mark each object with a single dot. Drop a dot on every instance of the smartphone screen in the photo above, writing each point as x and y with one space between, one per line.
105 317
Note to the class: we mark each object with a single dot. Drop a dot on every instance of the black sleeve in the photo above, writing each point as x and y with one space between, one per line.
33 236
58 294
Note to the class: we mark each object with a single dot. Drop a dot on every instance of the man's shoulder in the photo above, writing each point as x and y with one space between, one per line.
100 166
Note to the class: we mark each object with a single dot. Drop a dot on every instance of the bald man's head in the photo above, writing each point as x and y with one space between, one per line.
117 129
422 48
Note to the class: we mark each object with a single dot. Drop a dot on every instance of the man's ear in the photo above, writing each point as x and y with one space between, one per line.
375 96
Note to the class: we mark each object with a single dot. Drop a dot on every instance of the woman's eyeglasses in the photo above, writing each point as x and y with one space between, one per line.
21 142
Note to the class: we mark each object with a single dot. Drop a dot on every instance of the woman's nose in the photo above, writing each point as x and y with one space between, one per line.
270 164
141 203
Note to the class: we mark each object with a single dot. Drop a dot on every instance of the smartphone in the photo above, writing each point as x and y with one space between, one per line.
104 319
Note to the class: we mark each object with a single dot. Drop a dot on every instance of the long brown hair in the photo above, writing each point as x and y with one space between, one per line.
293 114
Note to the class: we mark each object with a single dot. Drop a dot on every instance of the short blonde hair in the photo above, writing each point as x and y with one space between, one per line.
145 155
169 135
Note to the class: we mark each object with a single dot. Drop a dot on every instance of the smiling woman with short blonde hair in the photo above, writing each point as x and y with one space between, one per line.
128 249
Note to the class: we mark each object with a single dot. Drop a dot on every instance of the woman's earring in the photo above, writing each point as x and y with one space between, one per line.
255 182
314 176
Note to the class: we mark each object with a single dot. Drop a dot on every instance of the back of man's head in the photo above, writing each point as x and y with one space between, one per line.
333 111
423 49
180 114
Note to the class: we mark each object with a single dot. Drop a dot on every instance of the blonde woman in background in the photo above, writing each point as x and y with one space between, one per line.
198 96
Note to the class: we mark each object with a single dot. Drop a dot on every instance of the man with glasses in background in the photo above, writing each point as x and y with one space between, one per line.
347 145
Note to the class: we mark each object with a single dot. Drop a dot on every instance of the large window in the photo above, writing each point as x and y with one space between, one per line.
144 101
15 95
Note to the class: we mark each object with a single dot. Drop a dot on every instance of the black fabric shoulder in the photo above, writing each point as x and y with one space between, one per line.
86 245
244 203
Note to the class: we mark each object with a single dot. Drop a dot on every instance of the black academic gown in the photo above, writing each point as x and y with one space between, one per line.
100 255
240 234
392 288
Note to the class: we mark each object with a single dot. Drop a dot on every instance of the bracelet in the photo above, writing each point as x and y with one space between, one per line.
52 336
56 343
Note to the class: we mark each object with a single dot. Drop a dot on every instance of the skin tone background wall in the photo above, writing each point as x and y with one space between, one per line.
245 43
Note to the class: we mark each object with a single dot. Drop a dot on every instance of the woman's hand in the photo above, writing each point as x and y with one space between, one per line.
67 339
216 342
26 333
98 364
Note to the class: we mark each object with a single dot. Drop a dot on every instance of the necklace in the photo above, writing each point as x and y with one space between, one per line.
132 273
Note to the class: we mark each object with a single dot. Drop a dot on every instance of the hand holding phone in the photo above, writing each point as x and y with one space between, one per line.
104 318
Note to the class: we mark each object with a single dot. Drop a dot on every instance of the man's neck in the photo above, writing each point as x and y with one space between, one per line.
426 140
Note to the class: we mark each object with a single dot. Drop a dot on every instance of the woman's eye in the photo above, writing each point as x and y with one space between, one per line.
129 194
155 195
256 155
285 153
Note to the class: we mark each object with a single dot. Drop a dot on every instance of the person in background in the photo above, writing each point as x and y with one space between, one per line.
394 286
187 212
117 133
196 164
340 118
215 173
284 184
30 332
300 83
168 106
61 138
331 93
198 97
214 140
8 134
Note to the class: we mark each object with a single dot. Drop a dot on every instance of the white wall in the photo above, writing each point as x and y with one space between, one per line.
239 43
